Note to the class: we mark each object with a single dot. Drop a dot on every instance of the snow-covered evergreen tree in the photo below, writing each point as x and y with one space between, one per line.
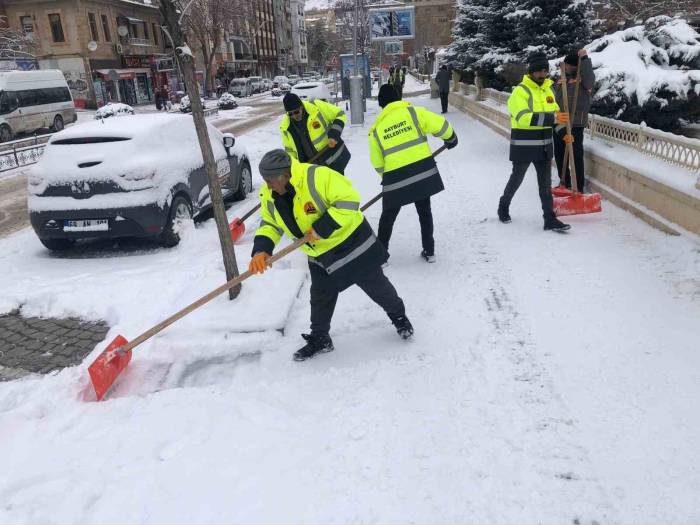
468 38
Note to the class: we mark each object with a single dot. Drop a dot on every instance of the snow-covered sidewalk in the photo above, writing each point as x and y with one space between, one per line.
552 378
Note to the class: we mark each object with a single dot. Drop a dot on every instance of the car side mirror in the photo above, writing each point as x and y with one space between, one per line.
229 141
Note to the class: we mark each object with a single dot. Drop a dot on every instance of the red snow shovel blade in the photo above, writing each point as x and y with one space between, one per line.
577 204
108 365
561 191
237 229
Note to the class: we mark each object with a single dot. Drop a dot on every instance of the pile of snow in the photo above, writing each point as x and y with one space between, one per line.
226 99
112 109
185 103
648 70
149 152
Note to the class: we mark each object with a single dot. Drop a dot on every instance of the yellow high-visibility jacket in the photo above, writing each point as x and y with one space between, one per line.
399 152
532 111
324 121
325 200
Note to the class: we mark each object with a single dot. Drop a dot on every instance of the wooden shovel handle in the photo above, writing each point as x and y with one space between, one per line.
565 93
257 206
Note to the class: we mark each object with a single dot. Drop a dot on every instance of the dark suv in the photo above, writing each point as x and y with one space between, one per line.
134 176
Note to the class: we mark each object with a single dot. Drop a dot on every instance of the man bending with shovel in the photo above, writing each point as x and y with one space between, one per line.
304 199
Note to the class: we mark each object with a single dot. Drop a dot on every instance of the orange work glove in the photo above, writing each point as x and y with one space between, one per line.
569 139
259 263
562 118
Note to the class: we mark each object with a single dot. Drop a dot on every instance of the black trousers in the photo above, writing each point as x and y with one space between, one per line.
544 181
560 148
425 218
444 96
374 283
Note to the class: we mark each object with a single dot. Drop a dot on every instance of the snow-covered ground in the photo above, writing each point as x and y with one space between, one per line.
552 378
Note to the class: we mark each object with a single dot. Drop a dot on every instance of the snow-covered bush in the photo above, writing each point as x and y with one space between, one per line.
648 73
185 104
113 110
226 101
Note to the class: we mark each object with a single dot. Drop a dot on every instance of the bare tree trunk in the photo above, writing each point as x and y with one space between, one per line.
187 67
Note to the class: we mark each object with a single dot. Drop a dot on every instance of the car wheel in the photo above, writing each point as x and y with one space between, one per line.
5 133
245 186
57 123
58 245
180 214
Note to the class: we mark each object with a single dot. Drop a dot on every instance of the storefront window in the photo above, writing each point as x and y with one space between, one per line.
143 93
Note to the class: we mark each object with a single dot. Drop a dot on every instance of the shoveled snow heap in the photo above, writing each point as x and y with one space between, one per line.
647 62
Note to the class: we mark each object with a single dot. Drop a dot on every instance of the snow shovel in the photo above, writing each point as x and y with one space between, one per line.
115 358
237 226
577 203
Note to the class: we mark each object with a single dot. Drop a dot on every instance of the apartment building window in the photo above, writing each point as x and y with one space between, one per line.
145 30
105 28
56 28
155 34
27 25
92 21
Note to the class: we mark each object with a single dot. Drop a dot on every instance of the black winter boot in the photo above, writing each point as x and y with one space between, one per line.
554 224
315 344
503 214
403 326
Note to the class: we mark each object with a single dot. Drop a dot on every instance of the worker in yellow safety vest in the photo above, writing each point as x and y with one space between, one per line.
304 198
533 114
309 127
399 151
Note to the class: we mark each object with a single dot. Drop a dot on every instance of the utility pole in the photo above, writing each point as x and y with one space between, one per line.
357 116
186 62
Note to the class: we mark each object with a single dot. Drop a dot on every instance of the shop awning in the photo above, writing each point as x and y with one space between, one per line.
116 74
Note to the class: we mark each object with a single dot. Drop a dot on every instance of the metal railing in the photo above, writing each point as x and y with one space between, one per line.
674 149
23 152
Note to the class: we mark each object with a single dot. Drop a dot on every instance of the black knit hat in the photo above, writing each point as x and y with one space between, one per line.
274 163
571 59
387 95
291 102
537 62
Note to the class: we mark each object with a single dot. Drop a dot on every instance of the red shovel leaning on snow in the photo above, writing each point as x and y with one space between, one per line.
574 203
237 226
115 358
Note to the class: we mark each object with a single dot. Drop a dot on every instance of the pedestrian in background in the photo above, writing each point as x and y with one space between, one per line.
442 79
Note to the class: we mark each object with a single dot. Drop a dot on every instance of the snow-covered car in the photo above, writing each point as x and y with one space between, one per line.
311 90
276 92
293 79
135 176
279 79
113 110
227 101
241 87
285 88
267 84
185 104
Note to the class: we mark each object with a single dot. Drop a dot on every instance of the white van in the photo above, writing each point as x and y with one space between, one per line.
31 100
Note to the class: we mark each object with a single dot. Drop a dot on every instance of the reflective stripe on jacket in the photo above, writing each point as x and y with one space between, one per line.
400 153
324 121
532 111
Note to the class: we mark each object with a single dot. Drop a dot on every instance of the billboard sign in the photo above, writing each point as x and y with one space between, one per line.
396 23
393 48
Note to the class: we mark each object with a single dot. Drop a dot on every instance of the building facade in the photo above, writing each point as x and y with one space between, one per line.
299 48
108 50
434 21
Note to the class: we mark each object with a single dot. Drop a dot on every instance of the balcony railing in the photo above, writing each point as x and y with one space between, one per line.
139 42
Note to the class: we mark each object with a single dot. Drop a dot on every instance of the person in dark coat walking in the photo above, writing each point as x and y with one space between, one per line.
304 199
442 78
579 120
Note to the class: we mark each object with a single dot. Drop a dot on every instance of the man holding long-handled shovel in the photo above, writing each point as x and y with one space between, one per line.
580 80
304 199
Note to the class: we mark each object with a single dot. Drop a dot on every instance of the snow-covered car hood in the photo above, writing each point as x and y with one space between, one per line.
134 152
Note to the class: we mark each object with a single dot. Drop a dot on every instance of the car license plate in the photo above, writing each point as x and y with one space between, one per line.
86 225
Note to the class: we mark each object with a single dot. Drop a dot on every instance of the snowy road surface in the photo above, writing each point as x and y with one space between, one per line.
552 379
